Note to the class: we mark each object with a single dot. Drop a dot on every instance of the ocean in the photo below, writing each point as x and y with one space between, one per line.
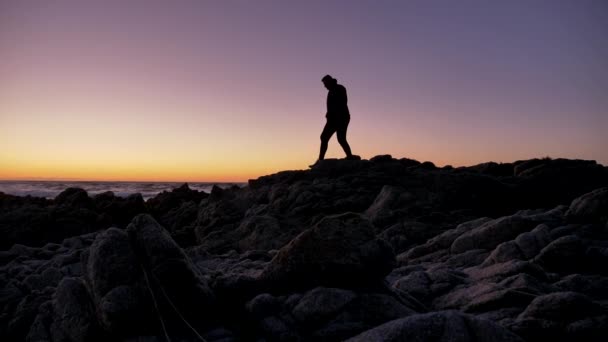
50 189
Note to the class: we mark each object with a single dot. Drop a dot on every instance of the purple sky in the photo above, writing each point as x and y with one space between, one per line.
218 90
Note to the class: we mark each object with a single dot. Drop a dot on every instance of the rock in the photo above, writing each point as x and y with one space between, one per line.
561 307
438 326
74 197
443 240
261 233
365 311
339 251
24 314
524 247
385 208
118 211
417 284
39 329
591 285
500 271
590 207
321 303
381 158
111 268
171 269
505 298
492 233
263 305
564 255
74 311
167 200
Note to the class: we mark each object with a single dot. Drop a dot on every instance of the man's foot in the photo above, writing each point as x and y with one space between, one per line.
315 164
353 157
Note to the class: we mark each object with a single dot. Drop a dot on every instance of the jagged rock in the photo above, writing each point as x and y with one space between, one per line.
438 326
591 207
339 251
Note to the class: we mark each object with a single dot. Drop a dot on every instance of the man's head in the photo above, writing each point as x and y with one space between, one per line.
329 82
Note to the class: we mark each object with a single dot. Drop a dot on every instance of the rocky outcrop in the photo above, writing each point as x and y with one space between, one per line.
381 249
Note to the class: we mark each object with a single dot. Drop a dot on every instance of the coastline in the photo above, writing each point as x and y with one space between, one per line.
346 250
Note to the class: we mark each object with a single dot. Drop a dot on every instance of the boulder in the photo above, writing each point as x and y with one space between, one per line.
561 307
74 311
590 207
171 269
564 255
321 303
112 271
74 197
339 251
492 233
442 326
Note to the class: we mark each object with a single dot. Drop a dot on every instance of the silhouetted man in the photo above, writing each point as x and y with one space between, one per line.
337 116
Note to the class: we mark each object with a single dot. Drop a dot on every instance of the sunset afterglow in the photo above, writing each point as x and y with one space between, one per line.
231 90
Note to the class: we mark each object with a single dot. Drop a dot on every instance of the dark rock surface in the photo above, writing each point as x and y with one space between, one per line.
369 250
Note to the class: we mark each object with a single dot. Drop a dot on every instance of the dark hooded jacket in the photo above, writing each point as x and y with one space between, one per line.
337 107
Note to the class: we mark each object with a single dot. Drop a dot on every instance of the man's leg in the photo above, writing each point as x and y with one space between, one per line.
328 131
341 132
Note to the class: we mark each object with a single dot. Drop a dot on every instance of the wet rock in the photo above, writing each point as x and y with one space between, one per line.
339 251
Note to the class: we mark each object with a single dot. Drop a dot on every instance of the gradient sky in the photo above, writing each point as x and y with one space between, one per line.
231 90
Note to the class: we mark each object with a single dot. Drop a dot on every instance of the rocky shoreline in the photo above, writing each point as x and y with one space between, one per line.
374 250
